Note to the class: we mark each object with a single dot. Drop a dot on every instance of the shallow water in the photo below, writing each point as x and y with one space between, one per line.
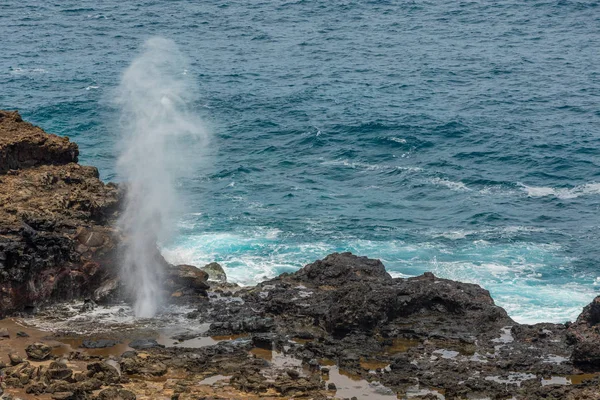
459 138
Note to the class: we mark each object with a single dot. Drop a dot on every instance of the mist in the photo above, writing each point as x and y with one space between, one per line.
159 134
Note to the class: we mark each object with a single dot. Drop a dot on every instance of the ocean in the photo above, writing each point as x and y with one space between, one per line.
461 138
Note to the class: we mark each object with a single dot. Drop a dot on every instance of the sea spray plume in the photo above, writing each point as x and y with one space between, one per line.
157 132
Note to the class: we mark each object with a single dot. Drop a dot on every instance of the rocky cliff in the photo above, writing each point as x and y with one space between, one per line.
55 216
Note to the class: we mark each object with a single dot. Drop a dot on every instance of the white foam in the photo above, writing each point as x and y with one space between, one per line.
587 189
458 186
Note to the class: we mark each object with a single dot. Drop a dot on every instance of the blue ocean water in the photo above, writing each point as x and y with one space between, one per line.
461 138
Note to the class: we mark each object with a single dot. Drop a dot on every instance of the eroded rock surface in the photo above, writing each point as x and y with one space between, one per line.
56 240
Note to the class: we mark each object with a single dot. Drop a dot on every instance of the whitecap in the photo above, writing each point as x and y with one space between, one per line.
587 189
458 186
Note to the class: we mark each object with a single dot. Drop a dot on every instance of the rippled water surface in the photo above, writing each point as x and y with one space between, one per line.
456 137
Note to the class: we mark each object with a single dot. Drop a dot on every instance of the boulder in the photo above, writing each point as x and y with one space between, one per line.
182 277
38 351
142 366
215 272
103 372
338 269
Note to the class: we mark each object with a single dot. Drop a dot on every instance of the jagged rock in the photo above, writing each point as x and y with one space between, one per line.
38 351
98 344
55 218
584 334
139 366
141 344
338 269
23 145
103 372
59 371
116 394
215 272
182 277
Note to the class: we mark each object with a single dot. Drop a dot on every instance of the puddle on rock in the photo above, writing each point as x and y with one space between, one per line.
348 387
197 342
416 391
515 378
568 379
373 365
211 380
400 345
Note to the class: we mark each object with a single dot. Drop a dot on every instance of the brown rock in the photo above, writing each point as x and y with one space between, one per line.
181 277
23 145
38 351
116 394
44 197
585 336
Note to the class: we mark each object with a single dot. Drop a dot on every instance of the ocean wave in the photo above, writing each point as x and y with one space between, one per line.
458 186
27 71
526 278
587 189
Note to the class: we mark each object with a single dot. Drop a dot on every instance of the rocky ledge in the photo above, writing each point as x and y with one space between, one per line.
56 239
340 327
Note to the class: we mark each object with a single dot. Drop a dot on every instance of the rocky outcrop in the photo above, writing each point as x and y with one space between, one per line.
23 145
56 240
584 334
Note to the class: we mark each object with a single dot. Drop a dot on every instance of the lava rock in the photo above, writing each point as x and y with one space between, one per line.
98 344
116 394
38 351
215 272
141 344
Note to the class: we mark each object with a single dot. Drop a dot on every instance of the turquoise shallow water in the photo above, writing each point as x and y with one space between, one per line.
459 138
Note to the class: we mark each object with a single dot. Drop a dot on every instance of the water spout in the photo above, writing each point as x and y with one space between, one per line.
158 130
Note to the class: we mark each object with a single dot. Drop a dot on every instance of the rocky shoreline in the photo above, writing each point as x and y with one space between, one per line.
340 327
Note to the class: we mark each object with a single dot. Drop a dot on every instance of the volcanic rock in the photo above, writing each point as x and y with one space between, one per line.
215 272
55 216
38 351
584 334
186 277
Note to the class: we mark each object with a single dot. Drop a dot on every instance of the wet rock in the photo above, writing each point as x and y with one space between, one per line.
182 277
38 351
116 394
142 344
22 334
215 272
98 344
88 305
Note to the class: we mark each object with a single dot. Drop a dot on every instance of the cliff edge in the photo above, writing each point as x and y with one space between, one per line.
55 216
